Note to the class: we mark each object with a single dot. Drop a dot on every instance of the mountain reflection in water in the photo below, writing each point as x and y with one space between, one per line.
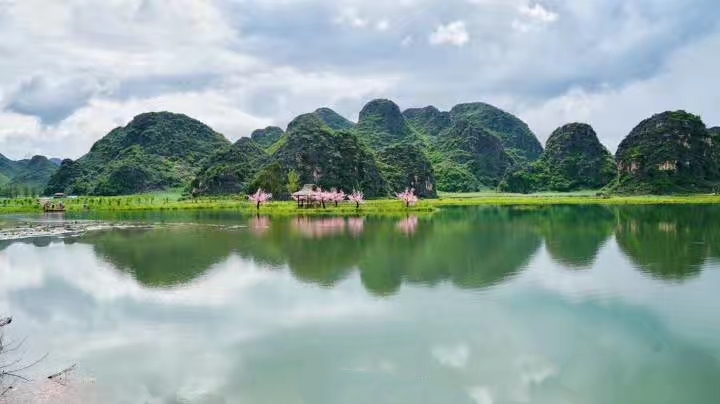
472 248
539 305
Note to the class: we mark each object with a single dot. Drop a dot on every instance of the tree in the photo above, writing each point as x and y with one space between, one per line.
357 197
408 197
337 196
260 197
293 182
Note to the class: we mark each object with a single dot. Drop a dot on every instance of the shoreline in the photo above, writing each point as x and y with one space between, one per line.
382 207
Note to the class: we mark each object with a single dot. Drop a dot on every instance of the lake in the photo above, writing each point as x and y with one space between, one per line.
583 304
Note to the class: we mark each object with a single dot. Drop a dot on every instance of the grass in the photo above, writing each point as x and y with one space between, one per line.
171 201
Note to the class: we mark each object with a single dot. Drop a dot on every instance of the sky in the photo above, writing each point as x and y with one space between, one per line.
72 70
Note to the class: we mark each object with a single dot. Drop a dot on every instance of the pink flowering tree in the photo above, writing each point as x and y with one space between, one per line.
321 196
259 198
357 197
338 196
408 197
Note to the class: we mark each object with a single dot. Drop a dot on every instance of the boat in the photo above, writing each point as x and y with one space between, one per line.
51 207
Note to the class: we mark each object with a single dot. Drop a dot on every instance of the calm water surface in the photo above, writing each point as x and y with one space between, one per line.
483 305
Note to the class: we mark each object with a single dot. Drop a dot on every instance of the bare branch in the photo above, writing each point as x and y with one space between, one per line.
63 372
32 364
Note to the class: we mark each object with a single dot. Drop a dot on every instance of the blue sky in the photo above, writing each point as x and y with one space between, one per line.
71 70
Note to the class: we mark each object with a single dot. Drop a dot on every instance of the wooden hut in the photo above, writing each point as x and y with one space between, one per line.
304 196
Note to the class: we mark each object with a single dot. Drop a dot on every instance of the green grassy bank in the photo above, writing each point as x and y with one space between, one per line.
173 201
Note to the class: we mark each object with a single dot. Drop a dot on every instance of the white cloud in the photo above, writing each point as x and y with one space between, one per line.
382 25
538 12
681 84
546 60
454 33
350 16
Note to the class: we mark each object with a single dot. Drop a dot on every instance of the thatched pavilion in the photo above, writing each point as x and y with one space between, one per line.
304 196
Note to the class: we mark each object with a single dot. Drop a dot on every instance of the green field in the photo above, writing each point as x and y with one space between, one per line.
173 200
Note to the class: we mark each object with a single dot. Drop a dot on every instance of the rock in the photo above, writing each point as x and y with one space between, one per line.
231 170
333 120
381 124
515 135
405 165
329 158
468 148
428 121
670 152
573 160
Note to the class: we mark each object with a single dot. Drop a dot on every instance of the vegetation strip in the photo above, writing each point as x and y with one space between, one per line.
381 207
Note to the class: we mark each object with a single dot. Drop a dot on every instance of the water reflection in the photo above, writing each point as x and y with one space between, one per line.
408 226
574 234
356 225
213 294
471 248
319 228
162 256
668 242
260 225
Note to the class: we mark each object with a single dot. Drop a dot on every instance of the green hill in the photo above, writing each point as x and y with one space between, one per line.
469 158
381 124
574 159
428 121
24 177
155 151
671 152
328 158
33 173
517 138
399 148
267 137
473 145
7 170
333 120
231 170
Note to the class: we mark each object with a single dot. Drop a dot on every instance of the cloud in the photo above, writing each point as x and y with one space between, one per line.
681 84
350 17
454 33
52 100
264 61
382 25
538 12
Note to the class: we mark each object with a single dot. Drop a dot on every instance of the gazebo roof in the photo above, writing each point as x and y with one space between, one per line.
306 190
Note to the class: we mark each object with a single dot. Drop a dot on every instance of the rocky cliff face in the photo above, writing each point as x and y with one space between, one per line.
405 165
328 158
574 159
333 120
428 121
404 162
468 148
381 124
667 153
231 170
515 135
